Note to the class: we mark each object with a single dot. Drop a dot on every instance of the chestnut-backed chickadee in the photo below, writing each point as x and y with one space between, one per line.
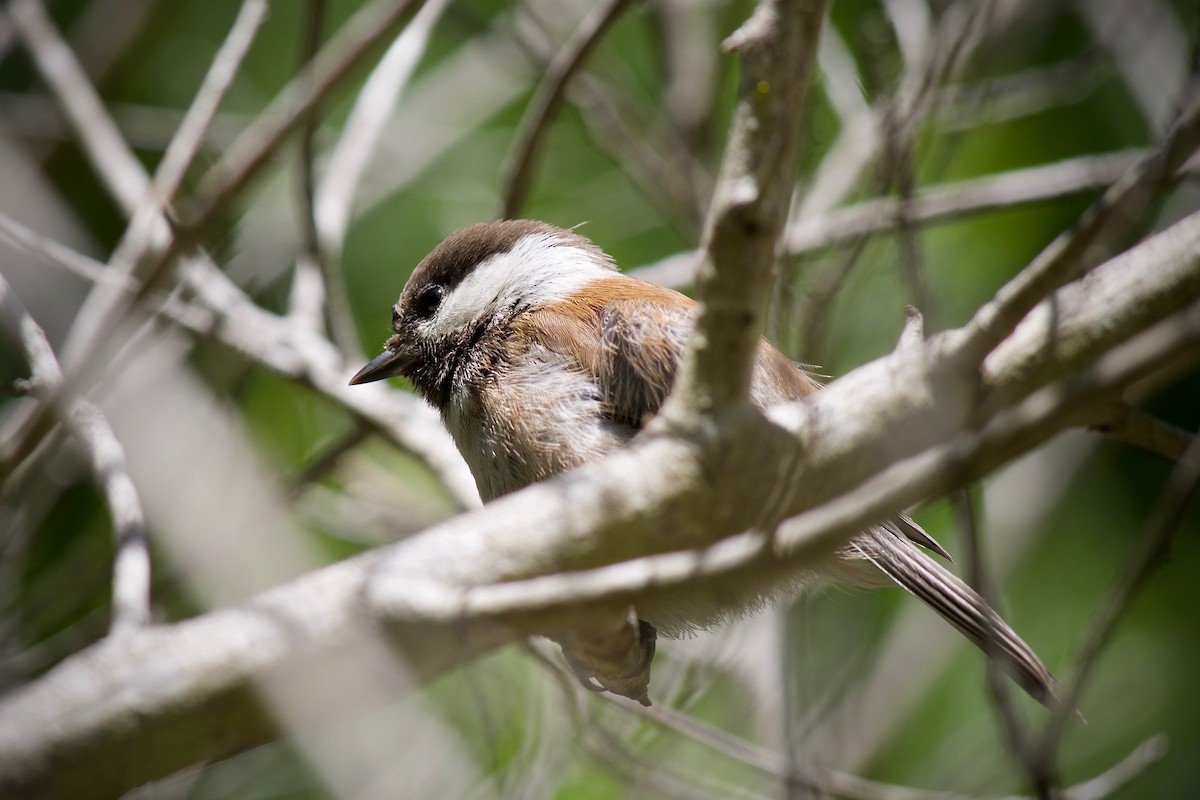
541 356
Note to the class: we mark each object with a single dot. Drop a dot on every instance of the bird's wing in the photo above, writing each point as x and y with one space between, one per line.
631 336
641 347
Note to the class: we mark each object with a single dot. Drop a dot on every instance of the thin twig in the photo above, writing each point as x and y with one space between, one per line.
327 460
1153 545
663 173
1010 97
929 60
748 213
547 100
833 782
310 290
934 204
321 295
686 33
59 68
37 116
131 188
148 227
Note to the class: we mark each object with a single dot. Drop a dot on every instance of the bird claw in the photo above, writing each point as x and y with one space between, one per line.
617 663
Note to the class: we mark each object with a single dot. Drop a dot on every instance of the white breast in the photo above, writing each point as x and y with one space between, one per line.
545 417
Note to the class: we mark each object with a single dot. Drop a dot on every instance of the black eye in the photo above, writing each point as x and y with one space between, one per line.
395 316
428 301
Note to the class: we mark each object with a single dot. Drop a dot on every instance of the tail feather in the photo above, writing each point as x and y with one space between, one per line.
930 582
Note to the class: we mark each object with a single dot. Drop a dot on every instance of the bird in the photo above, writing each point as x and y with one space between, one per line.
541 356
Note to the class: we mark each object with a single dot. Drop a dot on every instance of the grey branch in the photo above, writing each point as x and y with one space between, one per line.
778 49
106 457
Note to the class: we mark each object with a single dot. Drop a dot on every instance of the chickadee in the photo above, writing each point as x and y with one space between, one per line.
541 357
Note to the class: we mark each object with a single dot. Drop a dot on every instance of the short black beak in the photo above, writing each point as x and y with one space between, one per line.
387 364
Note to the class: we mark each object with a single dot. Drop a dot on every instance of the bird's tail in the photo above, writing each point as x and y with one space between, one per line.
892 552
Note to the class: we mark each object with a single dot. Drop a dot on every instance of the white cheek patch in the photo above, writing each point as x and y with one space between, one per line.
535 272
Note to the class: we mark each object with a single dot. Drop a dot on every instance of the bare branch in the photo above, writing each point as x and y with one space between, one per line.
548 98
952 200
59 68
843 784
131 562
1074 250
1139 428
148 227
778 48
365 127
1153 544
132 190
1016 735
345 51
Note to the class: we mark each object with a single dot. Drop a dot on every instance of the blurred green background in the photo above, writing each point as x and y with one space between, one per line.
868 682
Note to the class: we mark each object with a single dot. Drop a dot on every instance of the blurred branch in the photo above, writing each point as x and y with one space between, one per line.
1153 546
311 281
223 312
814 225
344 52
365 127
145 202
548 99
953 200
687 32
131 561
467 585
663 173
148 229
1016 735
327 460
34 116
1132 425
58 67
828 781
1023 94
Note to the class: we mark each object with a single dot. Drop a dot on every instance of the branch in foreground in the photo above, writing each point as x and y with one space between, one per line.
224 313
182 693
106 457
1139 428
778 48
